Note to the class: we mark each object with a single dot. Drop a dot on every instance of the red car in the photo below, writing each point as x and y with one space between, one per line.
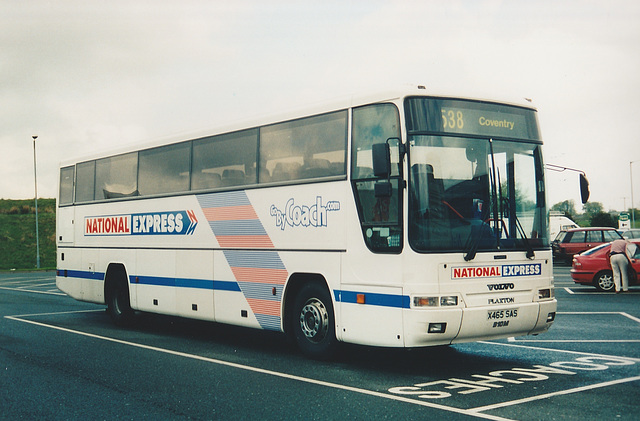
592 267
576 240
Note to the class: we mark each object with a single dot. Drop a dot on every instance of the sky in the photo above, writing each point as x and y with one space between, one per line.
88 76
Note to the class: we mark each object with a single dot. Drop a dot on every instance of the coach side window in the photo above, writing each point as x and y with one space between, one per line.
225 160
301 149
85 181
380 215
66 185
116 176
164 169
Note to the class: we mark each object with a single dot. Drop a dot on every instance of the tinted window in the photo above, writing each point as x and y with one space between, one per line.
611 235
66 185
306 148
594 236
380 216
164 169
227 160
560 237
373 124
302 149
117 176
85 184
575 237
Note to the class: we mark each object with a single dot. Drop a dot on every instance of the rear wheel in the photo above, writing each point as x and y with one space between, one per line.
314 322
604 281
118 304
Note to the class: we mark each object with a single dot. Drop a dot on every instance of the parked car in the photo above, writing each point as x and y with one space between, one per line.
577 240
593 268
631 234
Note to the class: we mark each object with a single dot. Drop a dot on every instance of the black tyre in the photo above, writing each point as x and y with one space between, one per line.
313 322
604 281
118 304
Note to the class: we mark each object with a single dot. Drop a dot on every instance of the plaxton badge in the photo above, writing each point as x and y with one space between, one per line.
154 223
496 271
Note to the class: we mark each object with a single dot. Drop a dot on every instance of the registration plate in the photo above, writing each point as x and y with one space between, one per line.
502 314
501 317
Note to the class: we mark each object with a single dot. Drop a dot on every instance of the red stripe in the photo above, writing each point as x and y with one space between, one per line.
230 213
257 241
270 308
260 275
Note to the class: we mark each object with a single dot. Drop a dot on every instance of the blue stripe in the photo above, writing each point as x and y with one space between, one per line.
373 299
194 283
238 227
159 281
226 286
221 200
254 259
268 322
96 276
261 291
153 280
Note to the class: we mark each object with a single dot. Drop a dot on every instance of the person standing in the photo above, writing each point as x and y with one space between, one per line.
620 265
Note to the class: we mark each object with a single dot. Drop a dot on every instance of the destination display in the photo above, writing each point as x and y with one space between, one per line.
471 117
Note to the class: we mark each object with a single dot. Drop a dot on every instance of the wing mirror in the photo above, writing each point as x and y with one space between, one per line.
584 188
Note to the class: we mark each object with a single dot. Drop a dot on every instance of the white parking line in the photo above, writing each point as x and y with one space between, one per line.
583 313
630 317
621 313
565 351
591 292
550 395
37 292
262 370
39 285
475 412
19 281
577 341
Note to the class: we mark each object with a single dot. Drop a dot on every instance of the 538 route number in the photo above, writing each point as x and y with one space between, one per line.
452 119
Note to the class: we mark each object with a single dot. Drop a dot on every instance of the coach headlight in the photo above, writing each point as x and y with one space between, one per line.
545 294
451 300
444 301
425 301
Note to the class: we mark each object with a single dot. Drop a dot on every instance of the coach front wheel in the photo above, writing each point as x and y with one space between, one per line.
314 322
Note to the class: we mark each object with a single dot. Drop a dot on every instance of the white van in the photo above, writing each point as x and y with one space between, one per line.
558 222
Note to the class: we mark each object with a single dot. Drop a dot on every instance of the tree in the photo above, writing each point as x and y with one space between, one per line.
603 219
591 209
568 207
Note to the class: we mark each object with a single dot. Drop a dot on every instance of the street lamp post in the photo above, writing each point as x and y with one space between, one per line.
35 178
633 214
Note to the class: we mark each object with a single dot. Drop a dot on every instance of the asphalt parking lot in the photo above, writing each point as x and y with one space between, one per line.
62 359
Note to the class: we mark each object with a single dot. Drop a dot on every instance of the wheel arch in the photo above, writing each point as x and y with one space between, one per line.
295 283
116 272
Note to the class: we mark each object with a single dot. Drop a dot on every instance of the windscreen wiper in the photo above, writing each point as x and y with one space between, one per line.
512 214
494 197
473 243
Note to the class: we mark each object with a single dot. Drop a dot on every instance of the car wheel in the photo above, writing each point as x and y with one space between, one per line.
604 281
